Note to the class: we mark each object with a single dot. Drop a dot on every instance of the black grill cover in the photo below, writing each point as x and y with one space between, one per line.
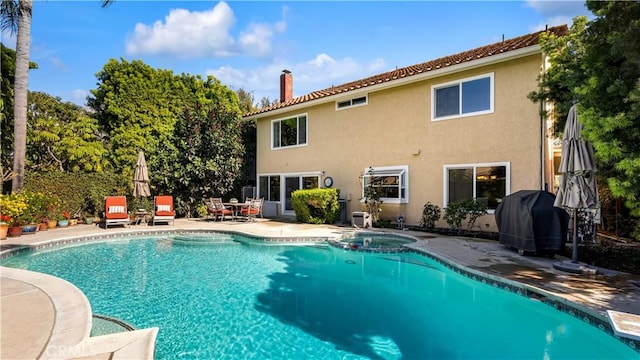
527 220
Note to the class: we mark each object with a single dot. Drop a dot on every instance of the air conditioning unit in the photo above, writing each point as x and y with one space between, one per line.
361 219
249 192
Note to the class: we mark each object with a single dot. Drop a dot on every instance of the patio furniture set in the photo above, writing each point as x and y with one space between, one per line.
115 211
163 211
247 210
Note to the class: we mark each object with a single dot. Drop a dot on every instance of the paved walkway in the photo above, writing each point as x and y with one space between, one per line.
45 317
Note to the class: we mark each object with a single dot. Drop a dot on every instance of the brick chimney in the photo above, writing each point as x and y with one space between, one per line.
286 86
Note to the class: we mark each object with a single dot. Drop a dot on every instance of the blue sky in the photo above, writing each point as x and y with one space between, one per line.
246 44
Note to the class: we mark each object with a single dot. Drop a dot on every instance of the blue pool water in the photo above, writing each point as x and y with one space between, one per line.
228 297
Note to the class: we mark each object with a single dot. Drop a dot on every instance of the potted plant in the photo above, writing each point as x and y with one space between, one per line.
13 206
4 226
29 226
63 218
371 201
43 225
88 219
32 214
41 204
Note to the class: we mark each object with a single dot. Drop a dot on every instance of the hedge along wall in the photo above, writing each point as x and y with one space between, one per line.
81 193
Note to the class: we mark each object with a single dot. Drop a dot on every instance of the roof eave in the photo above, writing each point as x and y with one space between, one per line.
494 59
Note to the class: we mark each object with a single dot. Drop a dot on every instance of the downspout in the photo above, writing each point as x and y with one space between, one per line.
542 146
543 112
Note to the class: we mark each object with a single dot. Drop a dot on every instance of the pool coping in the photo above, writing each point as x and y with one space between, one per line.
68 332
576 310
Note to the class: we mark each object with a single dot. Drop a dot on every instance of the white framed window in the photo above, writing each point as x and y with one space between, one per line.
357 101
488 183
269 187
391 183
289 132
466 97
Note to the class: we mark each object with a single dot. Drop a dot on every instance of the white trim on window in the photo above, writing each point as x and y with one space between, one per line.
298 144
460 112
445 177
352 102
400 171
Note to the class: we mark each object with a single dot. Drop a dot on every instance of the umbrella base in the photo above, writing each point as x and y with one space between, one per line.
574 267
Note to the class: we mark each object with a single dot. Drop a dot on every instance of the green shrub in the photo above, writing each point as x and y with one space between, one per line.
475 209
610 255
201 210
458 211
79 193
316 206
454 213
383 223
430 214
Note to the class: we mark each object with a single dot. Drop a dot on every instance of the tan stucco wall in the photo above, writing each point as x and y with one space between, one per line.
395 128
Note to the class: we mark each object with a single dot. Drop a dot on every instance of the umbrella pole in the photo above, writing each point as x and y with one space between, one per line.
574 254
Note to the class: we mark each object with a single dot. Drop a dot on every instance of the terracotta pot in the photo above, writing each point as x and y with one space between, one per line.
43 226
15 231
4 229
52 224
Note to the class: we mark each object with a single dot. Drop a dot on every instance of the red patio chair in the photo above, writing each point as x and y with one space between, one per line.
163 210
115 211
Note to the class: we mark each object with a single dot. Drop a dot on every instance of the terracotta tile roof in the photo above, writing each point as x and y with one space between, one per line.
502 47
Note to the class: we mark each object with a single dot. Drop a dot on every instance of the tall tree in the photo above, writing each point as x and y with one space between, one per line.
245 100
265 102
137 106
62 136
208 146
16 16
22 23
7 67
610 97
597 65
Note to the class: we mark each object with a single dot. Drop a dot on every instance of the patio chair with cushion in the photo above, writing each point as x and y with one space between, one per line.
253 209
163 210
115 211
219 210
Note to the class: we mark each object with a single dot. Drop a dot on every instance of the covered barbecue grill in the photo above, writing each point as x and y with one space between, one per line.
528 221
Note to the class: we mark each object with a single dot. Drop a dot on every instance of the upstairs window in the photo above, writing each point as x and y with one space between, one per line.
289 132
471 96
390 183
362 100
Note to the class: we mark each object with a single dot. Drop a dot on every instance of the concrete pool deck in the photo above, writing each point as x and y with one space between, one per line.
46 317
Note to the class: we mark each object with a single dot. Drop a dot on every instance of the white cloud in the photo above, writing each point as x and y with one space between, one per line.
196 34
550 8
59 64
318 73
557 12
257 39
79 96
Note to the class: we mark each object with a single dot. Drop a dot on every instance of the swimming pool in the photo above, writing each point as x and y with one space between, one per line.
227 296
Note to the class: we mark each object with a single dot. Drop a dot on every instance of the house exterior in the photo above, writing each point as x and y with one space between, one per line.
445 130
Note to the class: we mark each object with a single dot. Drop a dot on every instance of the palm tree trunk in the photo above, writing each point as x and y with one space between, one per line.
20 92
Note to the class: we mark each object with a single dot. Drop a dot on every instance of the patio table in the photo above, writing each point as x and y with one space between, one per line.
235 208
140 216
